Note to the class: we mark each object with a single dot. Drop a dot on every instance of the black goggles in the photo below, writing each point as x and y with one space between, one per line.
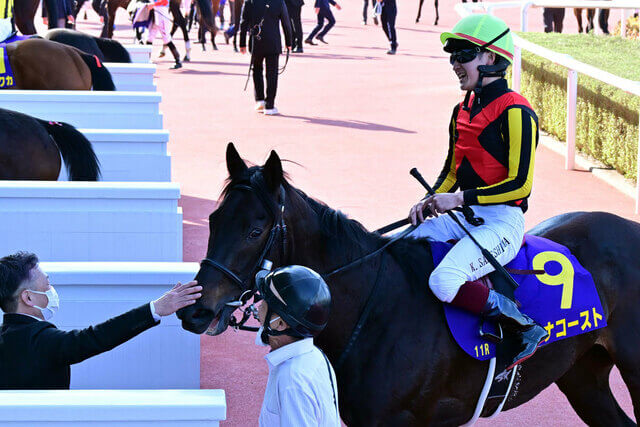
464 55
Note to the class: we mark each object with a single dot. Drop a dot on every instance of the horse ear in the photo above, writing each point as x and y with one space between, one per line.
272 171
235 164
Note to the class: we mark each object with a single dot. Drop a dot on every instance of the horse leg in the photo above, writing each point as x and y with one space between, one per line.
578 14
586 385
213 40
625 351
591 13
437 15
178 19
419 11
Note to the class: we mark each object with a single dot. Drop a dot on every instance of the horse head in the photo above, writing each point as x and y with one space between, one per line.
246 229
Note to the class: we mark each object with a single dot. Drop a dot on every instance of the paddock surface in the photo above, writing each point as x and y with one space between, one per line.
354 120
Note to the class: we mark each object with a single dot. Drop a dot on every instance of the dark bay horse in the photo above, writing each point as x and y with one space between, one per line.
404 368
106 50
435 4
591 13
47 65
30 149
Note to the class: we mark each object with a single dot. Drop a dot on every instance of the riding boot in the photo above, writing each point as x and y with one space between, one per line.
176 55
504 311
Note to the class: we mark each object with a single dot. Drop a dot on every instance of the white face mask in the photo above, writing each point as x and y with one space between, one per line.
258 340
52 305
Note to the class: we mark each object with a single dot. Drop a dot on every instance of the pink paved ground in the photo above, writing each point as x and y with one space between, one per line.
355 120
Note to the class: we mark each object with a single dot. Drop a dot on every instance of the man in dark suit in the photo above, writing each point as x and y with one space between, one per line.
294 8
261 18
34 354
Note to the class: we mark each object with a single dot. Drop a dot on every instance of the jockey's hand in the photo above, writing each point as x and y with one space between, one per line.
178 297
338 6
317 10
71 19
243 50
45 20
443 202
417 214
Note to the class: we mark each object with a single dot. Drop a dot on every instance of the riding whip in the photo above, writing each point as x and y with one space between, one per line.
499 268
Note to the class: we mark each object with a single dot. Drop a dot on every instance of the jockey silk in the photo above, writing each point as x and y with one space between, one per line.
491 148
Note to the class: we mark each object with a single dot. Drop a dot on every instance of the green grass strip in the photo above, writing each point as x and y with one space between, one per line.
607 117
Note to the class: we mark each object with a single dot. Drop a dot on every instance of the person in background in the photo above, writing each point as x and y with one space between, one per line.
161 23
34 354
388 18
323 10
553 17
262 19
294 7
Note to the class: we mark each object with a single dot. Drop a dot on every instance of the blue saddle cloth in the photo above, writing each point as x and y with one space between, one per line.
6 73
564 299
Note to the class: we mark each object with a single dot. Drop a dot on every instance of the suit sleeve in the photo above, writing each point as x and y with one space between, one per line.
286 25
520 131
245 21
448 181
67 348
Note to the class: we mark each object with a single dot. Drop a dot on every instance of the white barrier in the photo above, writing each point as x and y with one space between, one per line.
574 66
88 109
91 221
165 356
132 77
140 54
130 154
165 408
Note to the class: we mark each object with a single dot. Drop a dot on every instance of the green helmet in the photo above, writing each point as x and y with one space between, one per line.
484 30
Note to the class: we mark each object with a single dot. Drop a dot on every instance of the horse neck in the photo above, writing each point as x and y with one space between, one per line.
323 252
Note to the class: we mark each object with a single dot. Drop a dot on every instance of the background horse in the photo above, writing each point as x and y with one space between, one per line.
405 368
30 149
106 50
591 13
435 4
46 65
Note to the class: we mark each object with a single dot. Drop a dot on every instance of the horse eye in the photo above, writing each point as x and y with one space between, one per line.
255 233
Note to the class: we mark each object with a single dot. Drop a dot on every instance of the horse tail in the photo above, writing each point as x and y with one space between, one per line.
100 76
112 50
206 14
76 150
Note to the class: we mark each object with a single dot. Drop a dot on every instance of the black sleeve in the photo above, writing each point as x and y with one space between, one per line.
245 21
67 348
447 180
286 25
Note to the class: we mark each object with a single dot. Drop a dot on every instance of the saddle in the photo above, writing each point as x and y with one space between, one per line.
554 290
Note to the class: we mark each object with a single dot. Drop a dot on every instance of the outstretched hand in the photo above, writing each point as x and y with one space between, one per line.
178 297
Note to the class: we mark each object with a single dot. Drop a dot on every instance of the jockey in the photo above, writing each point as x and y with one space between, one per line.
161 23
493 135
6 20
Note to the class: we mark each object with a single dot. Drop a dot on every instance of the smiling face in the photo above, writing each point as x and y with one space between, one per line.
468 73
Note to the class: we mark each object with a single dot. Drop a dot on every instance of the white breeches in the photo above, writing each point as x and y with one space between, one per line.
501 233
161 24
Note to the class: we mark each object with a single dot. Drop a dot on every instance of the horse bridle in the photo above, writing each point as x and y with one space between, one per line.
247 290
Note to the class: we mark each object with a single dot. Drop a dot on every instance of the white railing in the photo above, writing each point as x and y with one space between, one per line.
574 66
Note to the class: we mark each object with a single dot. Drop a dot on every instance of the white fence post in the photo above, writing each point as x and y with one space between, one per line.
572 99
523 16
638 172
516 72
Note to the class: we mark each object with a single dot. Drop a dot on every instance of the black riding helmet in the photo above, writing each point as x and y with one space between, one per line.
299 296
